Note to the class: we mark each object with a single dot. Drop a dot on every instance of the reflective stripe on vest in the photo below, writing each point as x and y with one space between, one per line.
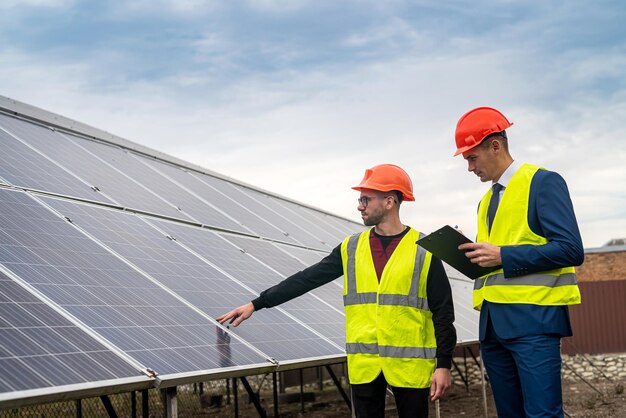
391 351
548 280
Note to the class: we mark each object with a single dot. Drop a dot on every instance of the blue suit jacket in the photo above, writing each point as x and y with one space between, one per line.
551 215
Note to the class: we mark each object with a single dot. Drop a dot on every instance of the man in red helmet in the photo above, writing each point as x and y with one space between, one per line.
397 302
526 225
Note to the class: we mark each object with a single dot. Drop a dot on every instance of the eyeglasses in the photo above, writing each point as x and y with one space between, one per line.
364 200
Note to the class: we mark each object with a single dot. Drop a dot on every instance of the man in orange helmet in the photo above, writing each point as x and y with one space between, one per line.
526 225
397 302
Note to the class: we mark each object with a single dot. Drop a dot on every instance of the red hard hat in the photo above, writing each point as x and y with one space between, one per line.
385 178
476 125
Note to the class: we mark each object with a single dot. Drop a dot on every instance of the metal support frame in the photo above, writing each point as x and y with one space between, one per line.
145 404
463 378
343 393
108 406
79 408
479 363
275 393
320 376
301 375
235 397
133 404
255 399
171 402
483 379
570 368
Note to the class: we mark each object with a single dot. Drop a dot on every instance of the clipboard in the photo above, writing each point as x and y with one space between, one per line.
444 244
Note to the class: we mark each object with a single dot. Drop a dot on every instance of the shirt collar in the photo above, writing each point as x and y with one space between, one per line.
508 174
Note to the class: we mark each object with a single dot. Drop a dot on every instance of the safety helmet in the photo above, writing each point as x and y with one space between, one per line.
385 178
476 125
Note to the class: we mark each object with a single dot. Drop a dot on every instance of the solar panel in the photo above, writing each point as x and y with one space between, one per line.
41 348
223 202
118 187
286 265
329 236
21 165
343 227
466 318
126 308
94 295
260 203
150 249
333 291
130 166
310 309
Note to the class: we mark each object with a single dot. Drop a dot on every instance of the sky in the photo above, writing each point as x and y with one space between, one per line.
299 97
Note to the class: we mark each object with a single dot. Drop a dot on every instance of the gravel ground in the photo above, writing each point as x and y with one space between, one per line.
580 401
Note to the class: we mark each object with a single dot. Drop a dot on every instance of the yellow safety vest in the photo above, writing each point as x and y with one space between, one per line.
510 227
389 327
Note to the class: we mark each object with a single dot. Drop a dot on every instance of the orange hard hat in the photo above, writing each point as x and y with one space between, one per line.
476 125
385 178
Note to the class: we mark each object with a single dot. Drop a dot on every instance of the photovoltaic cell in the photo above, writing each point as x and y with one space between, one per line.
123 306
40 348
193 279
20 165
248 217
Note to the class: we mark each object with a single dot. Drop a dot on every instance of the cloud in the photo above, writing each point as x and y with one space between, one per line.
301 106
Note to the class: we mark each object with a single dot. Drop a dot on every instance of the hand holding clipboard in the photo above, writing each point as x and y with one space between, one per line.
444 243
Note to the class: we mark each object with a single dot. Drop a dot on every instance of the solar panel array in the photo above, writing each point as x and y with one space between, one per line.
113 264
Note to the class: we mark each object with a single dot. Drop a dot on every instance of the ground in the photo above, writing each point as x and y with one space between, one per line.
580 401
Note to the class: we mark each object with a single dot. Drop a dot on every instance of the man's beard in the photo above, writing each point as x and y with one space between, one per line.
373 219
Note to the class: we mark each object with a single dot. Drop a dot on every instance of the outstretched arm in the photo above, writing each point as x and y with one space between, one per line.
328 269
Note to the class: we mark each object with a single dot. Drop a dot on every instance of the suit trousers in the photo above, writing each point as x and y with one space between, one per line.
525 374
369 400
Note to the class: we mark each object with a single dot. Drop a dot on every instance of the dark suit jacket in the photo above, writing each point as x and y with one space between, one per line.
551 215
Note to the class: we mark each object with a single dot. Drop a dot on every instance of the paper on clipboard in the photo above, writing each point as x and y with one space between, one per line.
444 244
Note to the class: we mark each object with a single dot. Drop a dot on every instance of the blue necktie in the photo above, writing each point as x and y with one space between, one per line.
493 203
